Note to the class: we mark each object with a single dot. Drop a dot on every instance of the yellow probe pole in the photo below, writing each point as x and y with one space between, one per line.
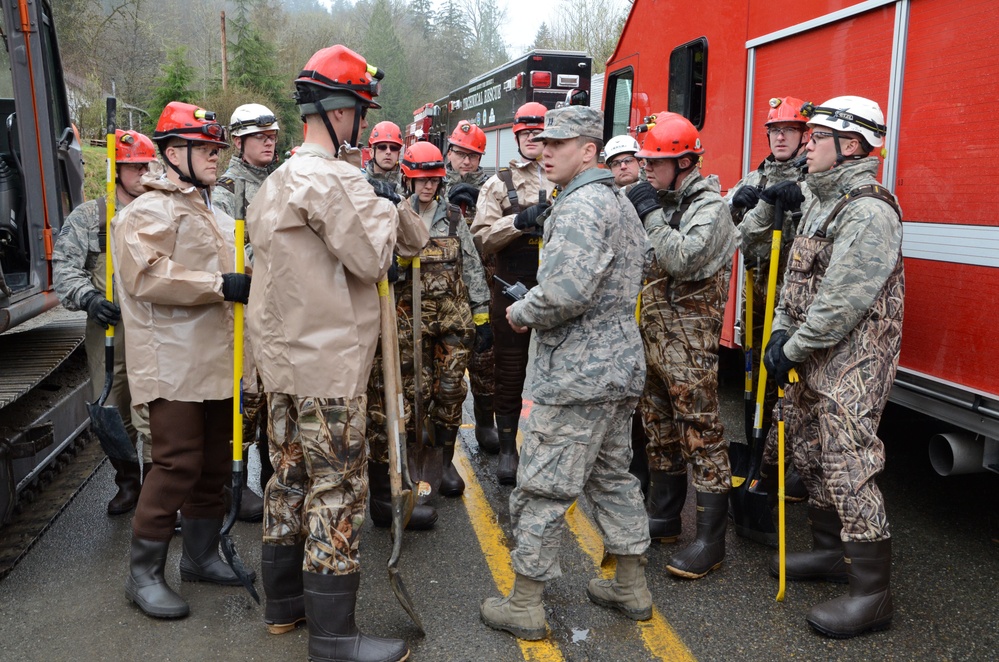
792 377
237 363
109 203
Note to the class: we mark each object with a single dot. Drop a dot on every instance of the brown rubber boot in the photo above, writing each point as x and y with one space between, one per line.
485 424
509 460
521 613
667 494
126 477
284 601
145 584
452 484
825 562
628 592
707 551
869 605
333 634
380 501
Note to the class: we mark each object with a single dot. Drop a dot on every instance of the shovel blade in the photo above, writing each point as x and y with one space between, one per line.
107 424
237 565
395 580
402 508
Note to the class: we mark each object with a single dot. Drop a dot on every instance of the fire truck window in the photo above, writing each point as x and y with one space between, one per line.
618 106
688 70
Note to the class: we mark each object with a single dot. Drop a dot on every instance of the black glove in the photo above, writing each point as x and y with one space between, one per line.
236 287
775 359
789 194
101 310
527 219
393 273
385 190
463 194
645 198
483 338
746 197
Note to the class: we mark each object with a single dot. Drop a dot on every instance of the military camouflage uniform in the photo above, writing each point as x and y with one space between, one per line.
78 268
588 374
842 306
393 176
682 307
224 193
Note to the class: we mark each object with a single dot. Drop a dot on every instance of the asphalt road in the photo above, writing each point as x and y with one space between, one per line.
65 600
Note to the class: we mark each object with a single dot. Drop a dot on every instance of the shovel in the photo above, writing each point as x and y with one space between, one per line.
792 377
402 491
738 454
228 546
427 460
105 420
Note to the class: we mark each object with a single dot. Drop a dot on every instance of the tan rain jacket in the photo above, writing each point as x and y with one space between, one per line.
170 251
323 239
493 228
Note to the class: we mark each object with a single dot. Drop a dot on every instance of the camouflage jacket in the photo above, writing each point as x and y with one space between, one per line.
705 240
224 192
472 273
866 242
77 257
393 176
587 347
757 224
476 178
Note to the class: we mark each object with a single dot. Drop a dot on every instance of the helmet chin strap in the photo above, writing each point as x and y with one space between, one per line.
188 179
676 175
840 158
324 114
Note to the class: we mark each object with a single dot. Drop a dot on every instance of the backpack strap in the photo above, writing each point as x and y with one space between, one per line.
866 191
674 220
102 231
506 176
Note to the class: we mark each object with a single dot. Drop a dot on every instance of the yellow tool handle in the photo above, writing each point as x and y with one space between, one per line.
792 377
768 320
109 206
237 359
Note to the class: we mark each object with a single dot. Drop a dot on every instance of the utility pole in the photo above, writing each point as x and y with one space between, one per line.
225 57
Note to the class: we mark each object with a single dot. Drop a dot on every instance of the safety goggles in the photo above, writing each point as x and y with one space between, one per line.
381 147
212 130
427 165
262 121
530 119
810 110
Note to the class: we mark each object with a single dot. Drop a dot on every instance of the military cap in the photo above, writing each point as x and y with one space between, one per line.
572 122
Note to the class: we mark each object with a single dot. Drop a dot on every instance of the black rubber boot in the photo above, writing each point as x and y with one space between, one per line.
485 425
794 487
251 507
869 605
200 561
145 584
667 494
452 484
825 562
284 601
127 478
380 501
333 635
708 549
639 467
509 460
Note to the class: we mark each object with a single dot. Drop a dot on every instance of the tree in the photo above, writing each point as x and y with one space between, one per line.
175 84
383 49
487 48
544 37
592 26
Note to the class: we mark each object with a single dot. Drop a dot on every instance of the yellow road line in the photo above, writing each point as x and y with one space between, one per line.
496 552
660 639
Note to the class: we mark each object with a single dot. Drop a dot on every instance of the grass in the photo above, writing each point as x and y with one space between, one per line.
94 172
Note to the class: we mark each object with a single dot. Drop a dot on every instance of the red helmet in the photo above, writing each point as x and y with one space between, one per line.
422 161
670 136
529 116
385 132
189 122
339 69
468 136
785 109
133 147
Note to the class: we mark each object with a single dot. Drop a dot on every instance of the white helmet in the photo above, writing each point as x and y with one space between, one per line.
620 145
252 118
855 114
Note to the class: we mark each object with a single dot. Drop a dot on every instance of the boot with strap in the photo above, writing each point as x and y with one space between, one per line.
509 460
333 634
281 570
380 501
521 613
452 485
127 478
707 551
485 424
664 505
145 584
825 562
200 561
869 605
628 592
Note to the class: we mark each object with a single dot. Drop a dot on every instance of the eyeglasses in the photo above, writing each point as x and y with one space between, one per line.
620 163
381 147
782 131
264 137
205 150
465 156
819 136
654 163
137 167
530 133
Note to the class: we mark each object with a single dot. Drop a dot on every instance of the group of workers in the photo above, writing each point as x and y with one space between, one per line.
327 232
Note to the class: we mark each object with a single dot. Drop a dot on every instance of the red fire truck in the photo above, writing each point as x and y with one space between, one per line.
931 65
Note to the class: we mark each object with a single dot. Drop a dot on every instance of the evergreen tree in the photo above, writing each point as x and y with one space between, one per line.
175 84
421 14
383 49
544 38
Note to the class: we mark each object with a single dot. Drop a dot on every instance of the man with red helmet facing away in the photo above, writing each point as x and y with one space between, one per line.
506 226
693 239
78 259
324 237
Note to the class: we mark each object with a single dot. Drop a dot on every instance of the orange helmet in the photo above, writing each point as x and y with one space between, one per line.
189 122
339 69
422 161
785 109
385 132
468 136
133 147
671 136
529 116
